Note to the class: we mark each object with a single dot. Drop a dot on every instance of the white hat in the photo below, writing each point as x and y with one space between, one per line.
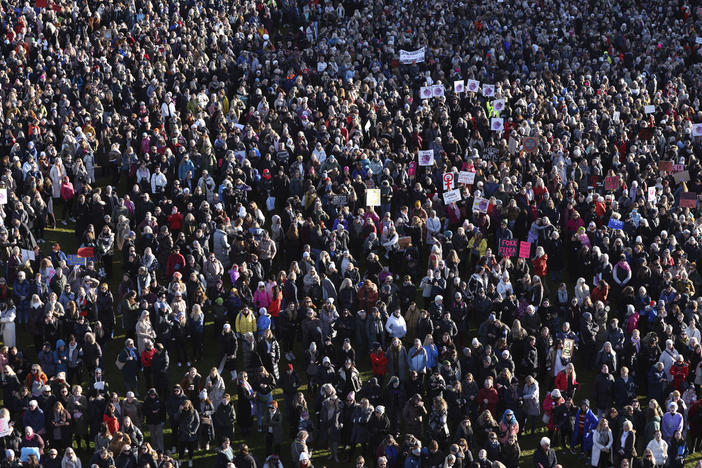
262 311
555 393
380 409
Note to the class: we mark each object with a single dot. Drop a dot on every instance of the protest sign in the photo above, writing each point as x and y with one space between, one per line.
459 86
373 197
448 181
76 260
649 109
530 144
5 428
473 86
688 200
3 196
404 241
611 183
488 90
567 352
615 116
678 167
27 255
652 194
680 177
508 248
466 177
438 90
498 105
497 124
512 145
412 56
666 166
481 204
524 249
452 196
615 223
697 129
425 92
698 40
426 157
339 200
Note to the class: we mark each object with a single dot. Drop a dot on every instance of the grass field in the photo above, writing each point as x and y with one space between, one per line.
66 237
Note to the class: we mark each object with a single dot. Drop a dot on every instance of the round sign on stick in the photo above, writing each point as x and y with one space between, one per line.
530 144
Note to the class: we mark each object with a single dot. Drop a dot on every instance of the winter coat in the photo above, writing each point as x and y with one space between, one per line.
188 426
601 440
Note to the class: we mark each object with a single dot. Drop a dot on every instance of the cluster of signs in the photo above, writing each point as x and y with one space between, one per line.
514 248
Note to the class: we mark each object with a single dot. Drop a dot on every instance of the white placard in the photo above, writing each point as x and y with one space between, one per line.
652 194
321 66
650 109
466 177
698 40
409 56
438 91
373 197
426 157
697 129
481 204
488 90
452 196
473 86
425 92
3 196
27 255
5 428
459 86
615 116
497 124
498 105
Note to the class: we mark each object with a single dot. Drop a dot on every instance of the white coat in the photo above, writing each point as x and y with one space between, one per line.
56 174
7 318
601 441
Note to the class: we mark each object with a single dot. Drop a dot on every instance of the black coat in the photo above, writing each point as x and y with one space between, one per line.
188 426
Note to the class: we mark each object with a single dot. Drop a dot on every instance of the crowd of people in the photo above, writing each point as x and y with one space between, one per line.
287 254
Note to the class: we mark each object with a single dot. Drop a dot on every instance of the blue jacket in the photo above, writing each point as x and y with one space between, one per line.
263 323
184 167
432 355
61 357
413 462
590 424
34 419
417 360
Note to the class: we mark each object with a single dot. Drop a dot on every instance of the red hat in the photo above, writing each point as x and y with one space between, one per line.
266 174
290 366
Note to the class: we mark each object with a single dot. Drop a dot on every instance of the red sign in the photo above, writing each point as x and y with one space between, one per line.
688 200
530 144
524 249
508 247
611 183
666 166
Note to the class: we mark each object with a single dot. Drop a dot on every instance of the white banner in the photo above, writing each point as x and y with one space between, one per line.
481 204
459 86
438 90
410 56
425 92
473 86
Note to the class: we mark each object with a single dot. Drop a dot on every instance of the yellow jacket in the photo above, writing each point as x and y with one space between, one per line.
245 323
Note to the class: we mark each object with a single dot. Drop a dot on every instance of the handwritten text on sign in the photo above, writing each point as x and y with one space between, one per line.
524 249
508 247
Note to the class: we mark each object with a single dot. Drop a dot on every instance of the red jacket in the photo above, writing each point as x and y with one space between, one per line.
379 362
540 265
489 394
112 423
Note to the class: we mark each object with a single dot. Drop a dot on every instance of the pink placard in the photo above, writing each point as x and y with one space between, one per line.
524 249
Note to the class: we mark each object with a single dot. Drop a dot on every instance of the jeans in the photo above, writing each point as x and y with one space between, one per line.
157 437
262 402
